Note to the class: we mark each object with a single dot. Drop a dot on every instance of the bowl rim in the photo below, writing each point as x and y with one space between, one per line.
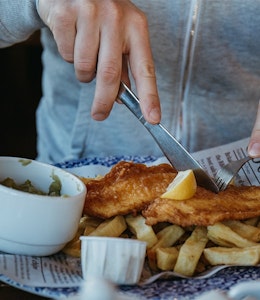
80 184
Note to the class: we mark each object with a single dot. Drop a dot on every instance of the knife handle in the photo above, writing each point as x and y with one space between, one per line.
131 101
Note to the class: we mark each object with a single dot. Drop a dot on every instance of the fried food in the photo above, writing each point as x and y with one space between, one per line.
112 227
167 237
248 256
224 236
191 252
131 187
206 208
127 188
187 251
142 231
166 258
185 236
245 230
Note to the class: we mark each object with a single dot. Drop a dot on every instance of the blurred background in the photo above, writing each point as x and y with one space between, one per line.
21 71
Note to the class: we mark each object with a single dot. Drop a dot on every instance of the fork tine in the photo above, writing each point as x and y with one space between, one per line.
220 183
227 173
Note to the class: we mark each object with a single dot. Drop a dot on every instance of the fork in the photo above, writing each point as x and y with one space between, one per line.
227 173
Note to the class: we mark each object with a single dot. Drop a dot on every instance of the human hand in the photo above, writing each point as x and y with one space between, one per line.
101 37
254 143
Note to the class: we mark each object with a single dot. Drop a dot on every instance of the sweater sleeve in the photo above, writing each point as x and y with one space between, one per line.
18 20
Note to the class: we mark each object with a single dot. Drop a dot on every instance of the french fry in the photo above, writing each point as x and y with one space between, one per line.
224 236
91 223
166 238
191 251
112 227
248 256
166 258
74 246
82 225
142 231
248 232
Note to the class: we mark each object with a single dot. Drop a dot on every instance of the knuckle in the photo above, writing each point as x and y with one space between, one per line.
146 70
85 71
89 10
141 21
85 66
62 18
113 10
109 72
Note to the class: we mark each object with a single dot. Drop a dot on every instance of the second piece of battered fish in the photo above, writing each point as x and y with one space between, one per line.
127 188
206 208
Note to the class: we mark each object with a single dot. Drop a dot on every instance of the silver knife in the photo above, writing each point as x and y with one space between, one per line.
177 155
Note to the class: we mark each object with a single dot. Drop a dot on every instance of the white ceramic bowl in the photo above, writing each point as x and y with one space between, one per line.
118 260
33 224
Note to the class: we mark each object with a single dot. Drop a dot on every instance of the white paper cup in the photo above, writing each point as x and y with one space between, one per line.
118 260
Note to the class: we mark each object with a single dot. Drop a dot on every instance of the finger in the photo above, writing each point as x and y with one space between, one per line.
124 75
62 22
143 70
254 143
86 44
124 72
108 72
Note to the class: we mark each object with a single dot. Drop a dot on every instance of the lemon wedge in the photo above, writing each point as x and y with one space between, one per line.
183 186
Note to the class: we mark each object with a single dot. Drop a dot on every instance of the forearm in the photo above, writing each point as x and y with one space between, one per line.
18 20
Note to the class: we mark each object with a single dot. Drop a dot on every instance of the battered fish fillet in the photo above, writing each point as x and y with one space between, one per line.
206 208
127 188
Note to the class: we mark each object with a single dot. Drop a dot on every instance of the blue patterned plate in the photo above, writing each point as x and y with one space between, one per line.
172 288
108 161
163 288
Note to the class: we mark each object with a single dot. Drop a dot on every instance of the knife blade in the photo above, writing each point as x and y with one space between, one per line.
177 155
